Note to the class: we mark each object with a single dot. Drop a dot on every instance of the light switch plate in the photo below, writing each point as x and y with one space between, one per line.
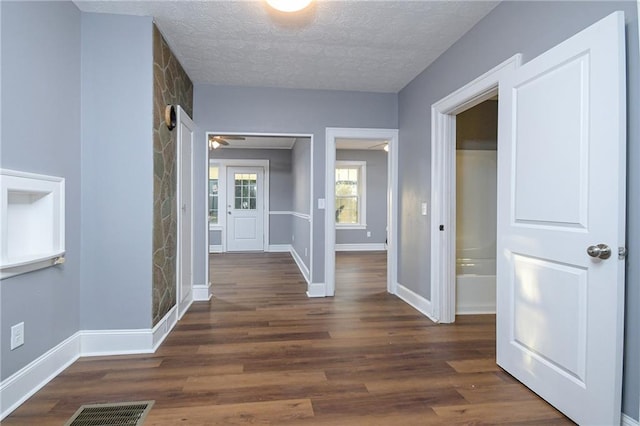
321 203
424 209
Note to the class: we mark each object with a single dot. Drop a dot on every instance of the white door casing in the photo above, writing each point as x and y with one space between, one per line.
245 209
184 262
561 189
443 184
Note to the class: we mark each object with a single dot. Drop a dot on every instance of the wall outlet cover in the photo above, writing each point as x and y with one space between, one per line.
17 335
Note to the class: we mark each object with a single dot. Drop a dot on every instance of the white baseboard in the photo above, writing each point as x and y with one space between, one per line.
124 342
361 247
280 248
316 290
476 310
201 292
418 302
21 385
185 304
628 421
115 342
215 248
163 328
303 268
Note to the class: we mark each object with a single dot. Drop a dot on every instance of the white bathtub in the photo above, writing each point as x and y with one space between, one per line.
475 286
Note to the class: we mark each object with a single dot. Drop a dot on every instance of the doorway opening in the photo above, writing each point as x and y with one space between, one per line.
259 195
476 208
347 207
443 182
360 194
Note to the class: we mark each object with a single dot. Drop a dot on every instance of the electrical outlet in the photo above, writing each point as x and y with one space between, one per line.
17 335
293 237
368 234
305 252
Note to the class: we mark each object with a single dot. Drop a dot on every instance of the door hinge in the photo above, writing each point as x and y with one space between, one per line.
622 252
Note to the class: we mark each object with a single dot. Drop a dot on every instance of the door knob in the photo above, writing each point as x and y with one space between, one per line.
601 251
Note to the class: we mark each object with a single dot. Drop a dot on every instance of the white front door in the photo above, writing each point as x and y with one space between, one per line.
561 189
245 209
185 219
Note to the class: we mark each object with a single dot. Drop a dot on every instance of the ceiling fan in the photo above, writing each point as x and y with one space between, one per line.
384 145
216 141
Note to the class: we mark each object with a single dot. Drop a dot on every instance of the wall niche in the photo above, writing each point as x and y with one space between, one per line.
32 222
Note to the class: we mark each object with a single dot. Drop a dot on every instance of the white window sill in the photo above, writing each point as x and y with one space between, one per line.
351 226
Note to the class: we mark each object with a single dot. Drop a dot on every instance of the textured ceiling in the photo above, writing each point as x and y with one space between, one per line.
364 45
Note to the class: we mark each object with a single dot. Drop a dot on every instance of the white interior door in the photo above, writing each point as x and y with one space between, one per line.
245 209
561 189
184 262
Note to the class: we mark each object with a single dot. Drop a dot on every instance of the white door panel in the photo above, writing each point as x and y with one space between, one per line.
559 188
245 209
245 228
561 174
544 290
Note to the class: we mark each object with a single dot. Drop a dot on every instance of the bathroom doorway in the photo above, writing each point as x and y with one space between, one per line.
476 208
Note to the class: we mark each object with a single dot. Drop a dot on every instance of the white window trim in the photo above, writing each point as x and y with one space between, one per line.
362 196
214 226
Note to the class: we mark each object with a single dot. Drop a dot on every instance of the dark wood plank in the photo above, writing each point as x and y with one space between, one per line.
262 352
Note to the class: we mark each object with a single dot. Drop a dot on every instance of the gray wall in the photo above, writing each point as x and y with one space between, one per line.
267 110
301 203
280 230
117 171
529 28
41 134
301 171
376 198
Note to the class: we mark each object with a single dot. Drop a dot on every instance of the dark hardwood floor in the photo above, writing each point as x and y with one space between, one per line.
261 352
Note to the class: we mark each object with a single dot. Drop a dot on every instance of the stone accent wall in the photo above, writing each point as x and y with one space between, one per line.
171 86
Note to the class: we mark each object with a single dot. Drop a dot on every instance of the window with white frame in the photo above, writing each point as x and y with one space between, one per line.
350 194
213 194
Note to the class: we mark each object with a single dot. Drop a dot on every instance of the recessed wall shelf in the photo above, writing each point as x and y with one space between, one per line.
31 222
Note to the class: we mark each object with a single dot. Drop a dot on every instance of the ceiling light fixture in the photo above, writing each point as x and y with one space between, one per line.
386 147
213 144
288 5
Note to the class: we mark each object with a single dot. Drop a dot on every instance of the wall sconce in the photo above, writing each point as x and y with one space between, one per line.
170 117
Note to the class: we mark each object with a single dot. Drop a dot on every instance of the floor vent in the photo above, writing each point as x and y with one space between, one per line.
119 414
